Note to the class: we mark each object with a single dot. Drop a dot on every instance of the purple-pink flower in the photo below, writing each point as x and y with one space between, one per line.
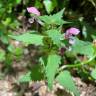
69 34
33 10
71 31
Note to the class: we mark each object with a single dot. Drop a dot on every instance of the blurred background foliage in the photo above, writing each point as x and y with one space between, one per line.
82 14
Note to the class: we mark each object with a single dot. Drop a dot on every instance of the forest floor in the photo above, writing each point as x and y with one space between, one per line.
9 85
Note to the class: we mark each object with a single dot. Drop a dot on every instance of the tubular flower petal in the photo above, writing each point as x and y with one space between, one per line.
73 31
33 10
69 34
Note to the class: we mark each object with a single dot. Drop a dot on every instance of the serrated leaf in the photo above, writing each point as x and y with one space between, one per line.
83 48
55 36
25 78
65 79
59 14
54 19
93 73
51 68
45 18
29 38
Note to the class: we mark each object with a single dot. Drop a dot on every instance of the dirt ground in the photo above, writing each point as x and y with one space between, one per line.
9 85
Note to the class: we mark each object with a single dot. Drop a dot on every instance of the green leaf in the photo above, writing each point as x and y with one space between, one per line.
48 5
18 1
52 67
93 73
60 13
55 19
7 21
37 72
93 37
38 4
18 51
29 38
83 48
65 79
15 50
2 55
55 35
25 78
9 59
11 48
4 39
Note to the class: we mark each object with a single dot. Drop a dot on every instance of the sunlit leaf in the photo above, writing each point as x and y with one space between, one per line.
48 5
55 35
51 68
18 1
65 79
29 38
55 19
83 48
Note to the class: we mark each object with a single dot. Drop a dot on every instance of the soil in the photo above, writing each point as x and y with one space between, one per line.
9 85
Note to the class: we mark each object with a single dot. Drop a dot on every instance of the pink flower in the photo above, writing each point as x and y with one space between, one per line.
33 10
69 34
73 31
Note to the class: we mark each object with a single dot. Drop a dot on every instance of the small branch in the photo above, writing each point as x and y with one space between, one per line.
77 65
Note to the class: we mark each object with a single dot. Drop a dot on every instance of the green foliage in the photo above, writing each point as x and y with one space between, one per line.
16 51
8 23
34 74
50 38
50 5
38 4
18 1
37 72
2 55
83 48
55 35
53 63
25 78
65 79
29 38
93 73
9 59
55 19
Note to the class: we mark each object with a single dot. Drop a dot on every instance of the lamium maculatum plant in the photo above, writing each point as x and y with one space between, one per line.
52 42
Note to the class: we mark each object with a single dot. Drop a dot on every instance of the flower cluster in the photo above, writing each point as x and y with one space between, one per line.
70 33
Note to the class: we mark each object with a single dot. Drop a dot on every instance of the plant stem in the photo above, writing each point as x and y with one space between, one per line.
77 65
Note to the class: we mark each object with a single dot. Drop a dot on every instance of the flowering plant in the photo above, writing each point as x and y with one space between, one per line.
52 42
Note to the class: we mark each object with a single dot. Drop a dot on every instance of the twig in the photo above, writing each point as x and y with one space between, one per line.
77 65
